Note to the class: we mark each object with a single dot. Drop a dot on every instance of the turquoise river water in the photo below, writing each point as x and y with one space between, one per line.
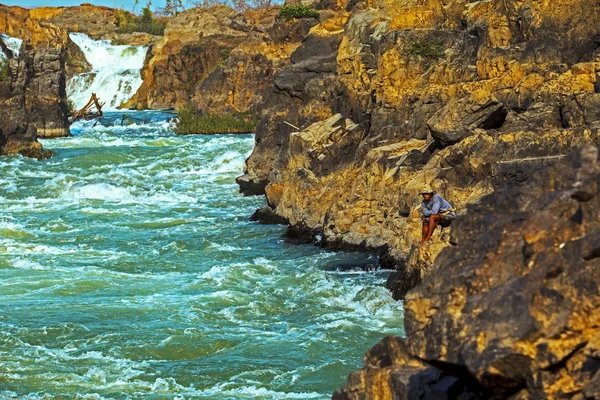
129 269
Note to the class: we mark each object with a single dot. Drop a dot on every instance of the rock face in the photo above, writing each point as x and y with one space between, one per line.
49 56
512 309
33 101
36 26
41 77
17 22
193 44
301 95
217 61
465 96
96 21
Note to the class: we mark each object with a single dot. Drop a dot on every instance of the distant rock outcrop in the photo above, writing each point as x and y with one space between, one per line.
217 60
512 309
95 21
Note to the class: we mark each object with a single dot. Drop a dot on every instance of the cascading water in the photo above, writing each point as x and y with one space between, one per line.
14 45
115 75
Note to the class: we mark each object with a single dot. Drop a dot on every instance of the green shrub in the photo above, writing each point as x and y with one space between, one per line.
4 70
426 48
189 122
127 22
70 107
289 12
123 18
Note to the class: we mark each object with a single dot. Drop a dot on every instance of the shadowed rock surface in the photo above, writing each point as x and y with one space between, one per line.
45 91
33 101
512 309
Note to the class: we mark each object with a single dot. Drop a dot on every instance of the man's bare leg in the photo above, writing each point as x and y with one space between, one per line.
434 221
425 229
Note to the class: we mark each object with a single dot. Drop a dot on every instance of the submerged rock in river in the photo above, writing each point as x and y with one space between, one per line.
512 309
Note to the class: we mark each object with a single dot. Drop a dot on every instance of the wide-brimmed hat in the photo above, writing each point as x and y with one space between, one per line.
427 190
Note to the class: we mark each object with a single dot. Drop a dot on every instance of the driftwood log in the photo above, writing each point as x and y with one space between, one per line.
87 110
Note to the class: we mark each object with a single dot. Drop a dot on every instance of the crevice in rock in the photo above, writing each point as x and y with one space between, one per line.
562 116
592 255
466 380
496 120
561 364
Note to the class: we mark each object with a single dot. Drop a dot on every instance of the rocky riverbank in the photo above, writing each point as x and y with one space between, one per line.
464 96
359 109
512 309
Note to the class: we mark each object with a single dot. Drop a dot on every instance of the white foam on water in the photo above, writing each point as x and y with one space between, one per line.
229 161
254 392
123 195
115 75
228 247
28 264
100 191
170 197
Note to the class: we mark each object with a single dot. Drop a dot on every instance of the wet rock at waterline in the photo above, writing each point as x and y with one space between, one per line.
512 309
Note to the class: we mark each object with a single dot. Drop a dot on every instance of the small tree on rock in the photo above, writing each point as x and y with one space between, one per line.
172 8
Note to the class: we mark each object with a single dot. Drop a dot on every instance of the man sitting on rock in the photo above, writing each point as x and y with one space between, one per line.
436 211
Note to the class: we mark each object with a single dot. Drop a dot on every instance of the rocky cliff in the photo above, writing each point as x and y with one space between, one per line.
33 100
511 310
462 95
39 75
217 60
96 21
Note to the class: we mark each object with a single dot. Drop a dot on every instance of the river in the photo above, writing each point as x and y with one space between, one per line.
129 269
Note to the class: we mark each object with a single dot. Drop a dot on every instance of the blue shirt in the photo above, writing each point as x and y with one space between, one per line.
435 205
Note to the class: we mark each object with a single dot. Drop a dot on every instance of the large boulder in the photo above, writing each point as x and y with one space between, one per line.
460 117
512 309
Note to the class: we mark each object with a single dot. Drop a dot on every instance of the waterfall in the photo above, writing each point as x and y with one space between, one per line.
115 75
14 44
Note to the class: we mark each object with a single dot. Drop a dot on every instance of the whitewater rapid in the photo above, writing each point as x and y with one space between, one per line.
129 269
13 44
115 75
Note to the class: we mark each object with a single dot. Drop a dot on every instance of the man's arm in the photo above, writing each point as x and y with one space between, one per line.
437 204
426 211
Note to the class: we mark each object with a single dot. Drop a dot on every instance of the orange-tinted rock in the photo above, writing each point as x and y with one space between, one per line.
488 93
512 309
217 60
